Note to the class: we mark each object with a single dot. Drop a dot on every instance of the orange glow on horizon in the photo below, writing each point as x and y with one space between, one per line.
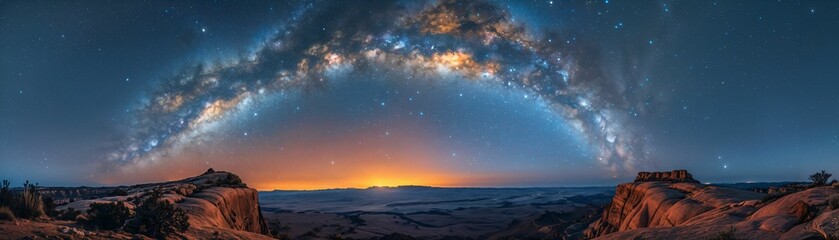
308 158
375 180
393 160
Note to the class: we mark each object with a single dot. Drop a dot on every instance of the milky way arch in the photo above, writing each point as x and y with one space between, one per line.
474 41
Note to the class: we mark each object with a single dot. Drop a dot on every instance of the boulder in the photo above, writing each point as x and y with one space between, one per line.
801 211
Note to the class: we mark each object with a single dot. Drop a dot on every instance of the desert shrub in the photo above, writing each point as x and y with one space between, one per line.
820 178
49 207
725 235
6 214
6 197
157 218
69 214
107 216
834 201
29 204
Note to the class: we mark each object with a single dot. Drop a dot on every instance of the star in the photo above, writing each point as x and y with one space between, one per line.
203 30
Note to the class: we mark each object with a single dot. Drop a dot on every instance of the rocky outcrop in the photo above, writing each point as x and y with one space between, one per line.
219 205
679 209
672 176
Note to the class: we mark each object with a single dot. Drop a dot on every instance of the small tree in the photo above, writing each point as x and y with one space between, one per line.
820 178
107 216
157 218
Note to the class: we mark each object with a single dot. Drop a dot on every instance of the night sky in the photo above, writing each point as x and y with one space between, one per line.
311 94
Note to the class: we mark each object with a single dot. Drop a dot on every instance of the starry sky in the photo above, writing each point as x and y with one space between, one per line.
332 94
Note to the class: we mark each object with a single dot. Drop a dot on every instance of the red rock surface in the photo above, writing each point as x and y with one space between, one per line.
672 209
218 205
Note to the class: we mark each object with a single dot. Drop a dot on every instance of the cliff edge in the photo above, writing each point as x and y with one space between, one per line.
219 205
673 205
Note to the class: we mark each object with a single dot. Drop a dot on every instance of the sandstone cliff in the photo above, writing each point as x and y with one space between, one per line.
661 206
219 205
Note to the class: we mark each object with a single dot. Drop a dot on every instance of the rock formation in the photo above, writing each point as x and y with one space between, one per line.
672 205
673 176
218 204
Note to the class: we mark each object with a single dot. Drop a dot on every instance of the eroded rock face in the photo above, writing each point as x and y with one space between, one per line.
218 204
675 209
664 204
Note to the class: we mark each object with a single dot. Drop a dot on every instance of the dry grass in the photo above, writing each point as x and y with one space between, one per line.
6 214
